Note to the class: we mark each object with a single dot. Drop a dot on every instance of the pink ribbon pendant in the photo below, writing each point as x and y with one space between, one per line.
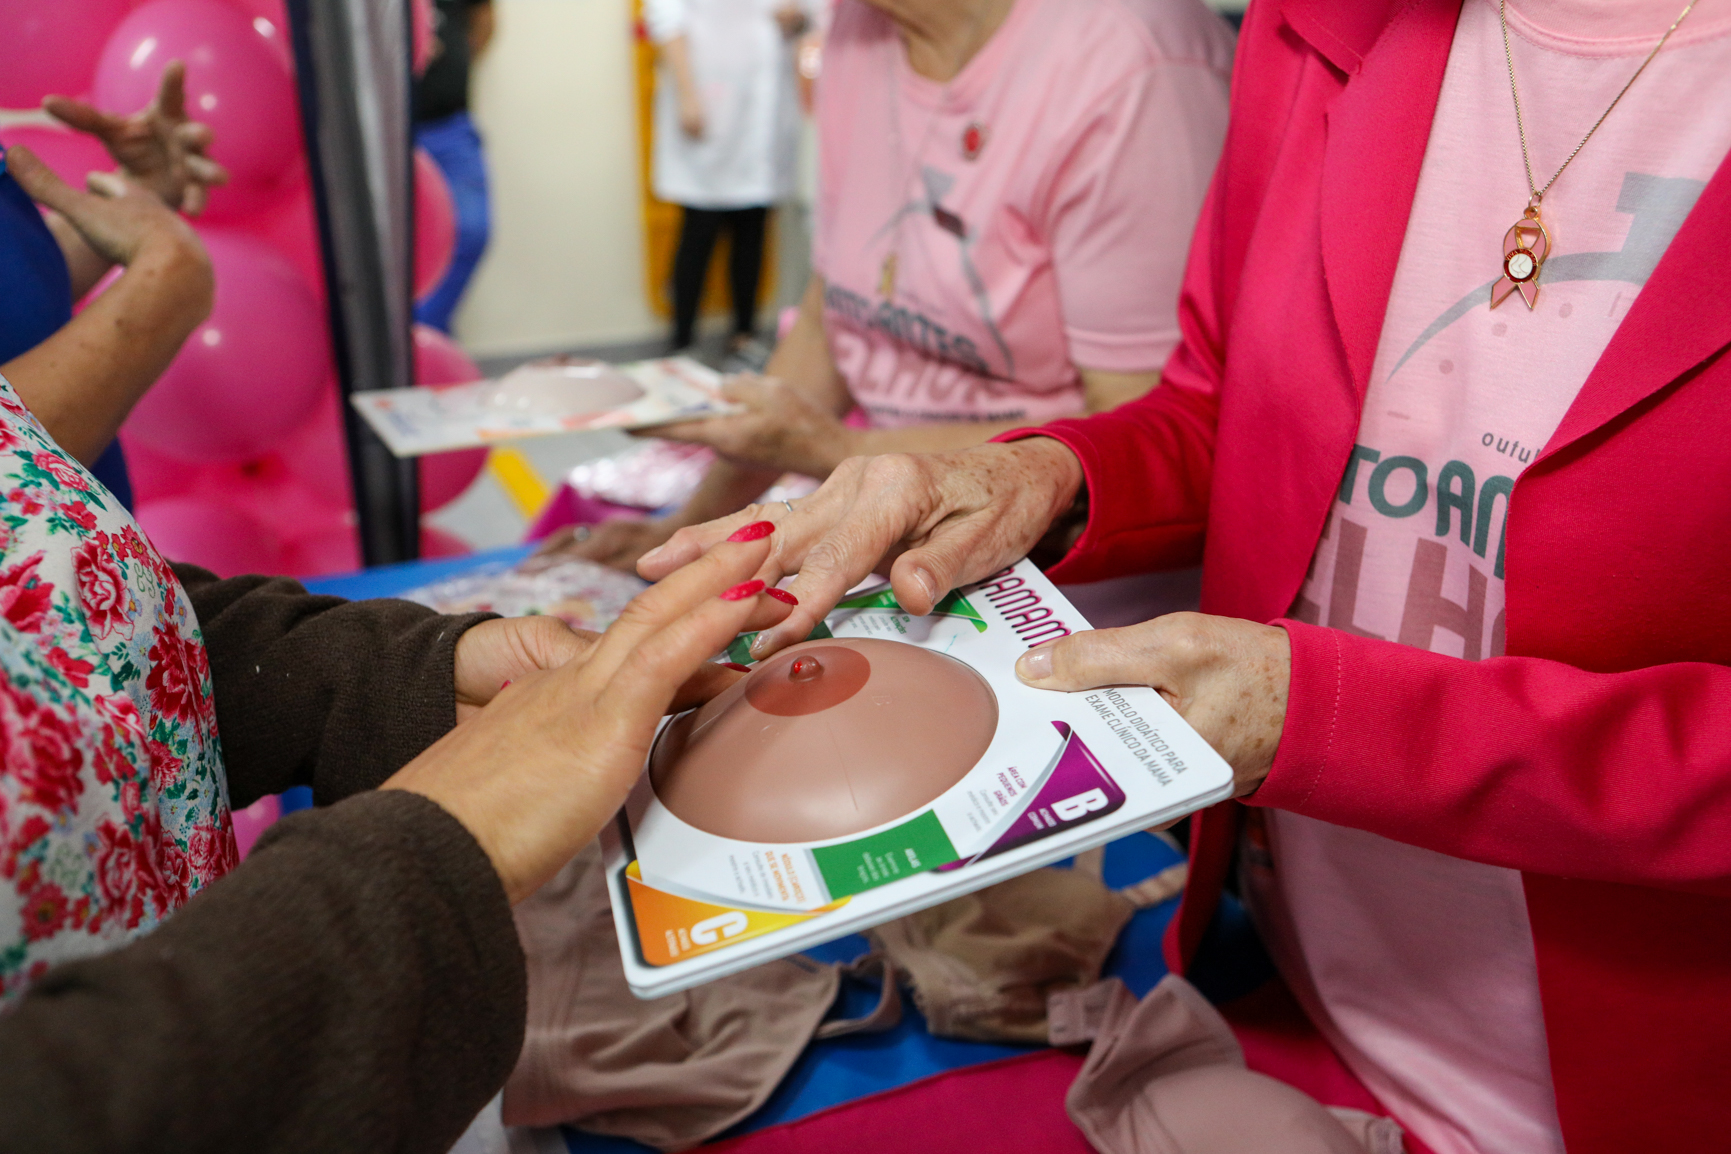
1525 247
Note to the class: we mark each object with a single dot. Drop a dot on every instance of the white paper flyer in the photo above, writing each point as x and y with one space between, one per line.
1061 773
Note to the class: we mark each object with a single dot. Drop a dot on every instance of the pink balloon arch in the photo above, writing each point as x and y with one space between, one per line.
238 455
211 531
251 372
51 48
238 81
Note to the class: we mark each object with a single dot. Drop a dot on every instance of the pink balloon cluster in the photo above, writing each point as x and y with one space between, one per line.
238 455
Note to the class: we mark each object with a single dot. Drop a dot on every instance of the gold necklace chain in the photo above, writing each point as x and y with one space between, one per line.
1538 194
1527 243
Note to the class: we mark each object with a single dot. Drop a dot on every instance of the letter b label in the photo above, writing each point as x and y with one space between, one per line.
1072 808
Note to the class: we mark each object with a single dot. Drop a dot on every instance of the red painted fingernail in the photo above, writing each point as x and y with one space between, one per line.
783 596
504 685
756 531
743 590
736 666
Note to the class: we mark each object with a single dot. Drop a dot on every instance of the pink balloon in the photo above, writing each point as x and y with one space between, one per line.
268 490
251 372
316 453
275 27
421 34
237 81
440 361
436 543
242 204
212 533
52 47
155 476
291 228
445 476
72 155
435 224
336 548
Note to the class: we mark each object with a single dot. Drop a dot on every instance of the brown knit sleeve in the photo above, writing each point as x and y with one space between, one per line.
355 985
319 691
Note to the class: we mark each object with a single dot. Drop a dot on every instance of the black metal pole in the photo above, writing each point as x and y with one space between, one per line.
352 63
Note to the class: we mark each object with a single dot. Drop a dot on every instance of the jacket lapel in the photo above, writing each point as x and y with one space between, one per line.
1680 319
1378 130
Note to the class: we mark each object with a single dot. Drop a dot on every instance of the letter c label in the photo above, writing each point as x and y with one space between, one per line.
710 930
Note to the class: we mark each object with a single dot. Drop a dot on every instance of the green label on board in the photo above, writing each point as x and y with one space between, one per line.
953 605
868 862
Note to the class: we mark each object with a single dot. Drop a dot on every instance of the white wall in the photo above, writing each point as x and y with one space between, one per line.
553 99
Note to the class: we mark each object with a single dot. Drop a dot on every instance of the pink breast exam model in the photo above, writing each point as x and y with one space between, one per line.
823 740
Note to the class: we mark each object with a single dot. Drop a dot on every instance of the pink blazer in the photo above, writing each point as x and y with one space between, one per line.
1596 756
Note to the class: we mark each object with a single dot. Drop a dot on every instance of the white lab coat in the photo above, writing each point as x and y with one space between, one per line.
745 75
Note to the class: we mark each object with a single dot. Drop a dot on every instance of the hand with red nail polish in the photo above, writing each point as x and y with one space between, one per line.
743 590
534 773
756 531
943 519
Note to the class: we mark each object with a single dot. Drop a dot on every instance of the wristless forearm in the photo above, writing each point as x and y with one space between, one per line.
83 381
84 264
1053 466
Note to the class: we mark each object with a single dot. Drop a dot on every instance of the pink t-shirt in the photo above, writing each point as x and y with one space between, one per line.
981 239
1417 966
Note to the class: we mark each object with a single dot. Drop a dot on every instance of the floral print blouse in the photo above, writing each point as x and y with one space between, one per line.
113 802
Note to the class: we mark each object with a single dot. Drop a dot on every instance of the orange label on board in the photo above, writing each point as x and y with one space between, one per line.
671 927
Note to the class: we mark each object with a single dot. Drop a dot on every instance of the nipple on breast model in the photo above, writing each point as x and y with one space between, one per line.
823 740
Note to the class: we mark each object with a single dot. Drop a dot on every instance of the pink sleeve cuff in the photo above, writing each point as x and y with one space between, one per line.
1144 352
1147 465
1084 562
1312 718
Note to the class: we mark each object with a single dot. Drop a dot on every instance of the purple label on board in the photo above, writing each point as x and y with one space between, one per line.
1078 790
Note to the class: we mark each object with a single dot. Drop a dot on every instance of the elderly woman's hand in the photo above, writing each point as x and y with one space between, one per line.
781 429
1227 677
159 147
536 773
946 518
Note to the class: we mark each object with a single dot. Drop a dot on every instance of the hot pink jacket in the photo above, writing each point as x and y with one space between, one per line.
1596 756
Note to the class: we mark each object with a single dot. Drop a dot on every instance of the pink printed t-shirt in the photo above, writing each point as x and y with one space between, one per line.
981 239
1419 967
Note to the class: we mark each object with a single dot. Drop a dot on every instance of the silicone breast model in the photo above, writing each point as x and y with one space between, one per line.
570 389
824 740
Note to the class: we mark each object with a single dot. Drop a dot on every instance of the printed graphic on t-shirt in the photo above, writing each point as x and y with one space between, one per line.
933 370
1657 205
1414 550
1458 503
